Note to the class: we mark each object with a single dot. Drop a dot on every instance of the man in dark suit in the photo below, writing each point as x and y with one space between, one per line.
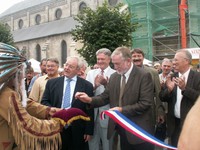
134 101
158 108
180 91
76 136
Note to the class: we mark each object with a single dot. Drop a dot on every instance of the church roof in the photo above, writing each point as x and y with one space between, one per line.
43 30
22 6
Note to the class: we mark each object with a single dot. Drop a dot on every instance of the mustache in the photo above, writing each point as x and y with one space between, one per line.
136 60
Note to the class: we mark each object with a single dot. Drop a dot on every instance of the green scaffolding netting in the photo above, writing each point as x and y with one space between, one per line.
159 33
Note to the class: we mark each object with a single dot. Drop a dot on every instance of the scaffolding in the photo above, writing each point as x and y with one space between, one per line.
194 23
159 34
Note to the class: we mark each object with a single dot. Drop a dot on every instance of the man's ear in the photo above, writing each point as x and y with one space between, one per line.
129 60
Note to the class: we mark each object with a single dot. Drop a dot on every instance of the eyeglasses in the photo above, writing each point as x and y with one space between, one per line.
70 66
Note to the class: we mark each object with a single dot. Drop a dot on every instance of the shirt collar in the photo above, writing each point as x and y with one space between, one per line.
186 74
73 79
105 70
127 74
46 77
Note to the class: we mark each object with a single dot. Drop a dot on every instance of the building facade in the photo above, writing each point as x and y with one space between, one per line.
42 27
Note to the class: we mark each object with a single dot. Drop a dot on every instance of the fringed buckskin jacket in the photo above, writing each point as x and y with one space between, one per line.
29 128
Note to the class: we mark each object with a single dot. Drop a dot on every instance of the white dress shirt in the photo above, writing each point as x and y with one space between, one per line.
177 108
127 74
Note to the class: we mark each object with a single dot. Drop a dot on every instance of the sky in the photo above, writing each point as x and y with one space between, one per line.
5 4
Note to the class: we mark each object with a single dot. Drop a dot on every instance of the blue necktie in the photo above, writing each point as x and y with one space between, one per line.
67 95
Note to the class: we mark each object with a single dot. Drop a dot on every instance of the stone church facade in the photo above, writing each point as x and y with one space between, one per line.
42 27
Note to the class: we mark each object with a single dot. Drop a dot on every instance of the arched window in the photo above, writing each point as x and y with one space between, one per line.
20 23
38 52
63 52
58 13
38 19
82 6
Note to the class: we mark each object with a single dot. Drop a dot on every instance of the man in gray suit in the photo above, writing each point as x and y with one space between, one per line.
134 101
99 78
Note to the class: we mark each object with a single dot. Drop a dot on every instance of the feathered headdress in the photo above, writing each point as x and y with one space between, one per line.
11 60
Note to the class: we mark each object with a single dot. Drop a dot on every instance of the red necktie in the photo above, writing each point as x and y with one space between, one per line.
102 71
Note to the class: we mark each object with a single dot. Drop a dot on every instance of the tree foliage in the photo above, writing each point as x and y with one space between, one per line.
5 34
104 27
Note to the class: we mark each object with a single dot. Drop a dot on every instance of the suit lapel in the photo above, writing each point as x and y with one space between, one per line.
60 89
78 88
174 91
190 79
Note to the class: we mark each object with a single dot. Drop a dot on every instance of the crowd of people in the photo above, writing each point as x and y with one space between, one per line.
147 95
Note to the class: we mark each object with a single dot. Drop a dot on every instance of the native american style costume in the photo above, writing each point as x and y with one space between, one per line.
17 125
30 128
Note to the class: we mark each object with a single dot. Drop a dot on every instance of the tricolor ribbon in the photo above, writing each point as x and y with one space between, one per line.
130 126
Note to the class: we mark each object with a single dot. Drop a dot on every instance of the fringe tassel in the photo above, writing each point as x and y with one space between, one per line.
63 123
31 133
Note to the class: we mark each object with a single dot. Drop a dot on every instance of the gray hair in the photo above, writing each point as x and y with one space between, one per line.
123 51
104 51
83 64
167 60
79 62
187 54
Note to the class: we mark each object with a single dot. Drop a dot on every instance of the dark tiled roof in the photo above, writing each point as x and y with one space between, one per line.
44 30
22 6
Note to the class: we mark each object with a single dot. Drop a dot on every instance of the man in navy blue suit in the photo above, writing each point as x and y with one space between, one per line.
76 136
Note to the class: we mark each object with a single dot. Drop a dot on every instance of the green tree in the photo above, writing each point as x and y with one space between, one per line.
5 34
104 27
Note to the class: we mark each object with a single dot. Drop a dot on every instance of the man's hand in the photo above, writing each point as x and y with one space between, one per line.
170 84
96 82
87 137
83 97
162 83
180 82
161 118
100 80
103 80
53 110
116 108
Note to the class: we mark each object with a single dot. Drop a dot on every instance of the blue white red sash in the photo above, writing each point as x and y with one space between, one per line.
128 125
